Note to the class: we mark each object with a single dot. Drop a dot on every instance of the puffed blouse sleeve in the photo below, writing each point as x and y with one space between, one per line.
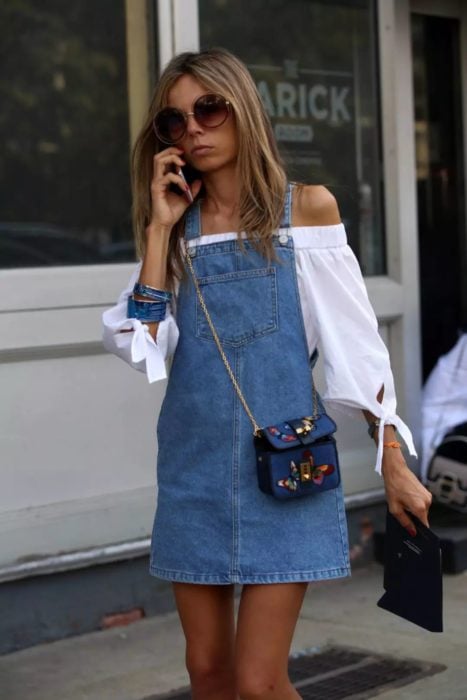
138 348
339 319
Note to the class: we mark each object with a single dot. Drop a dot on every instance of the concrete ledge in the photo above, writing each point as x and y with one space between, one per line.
130 549
71 594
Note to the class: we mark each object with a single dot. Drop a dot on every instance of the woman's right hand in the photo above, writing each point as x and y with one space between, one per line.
168 207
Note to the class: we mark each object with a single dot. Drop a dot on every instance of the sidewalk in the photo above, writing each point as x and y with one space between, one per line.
147 657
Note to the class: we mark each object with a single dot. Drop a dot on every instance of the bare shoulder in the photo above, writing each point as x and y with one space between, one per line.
314 205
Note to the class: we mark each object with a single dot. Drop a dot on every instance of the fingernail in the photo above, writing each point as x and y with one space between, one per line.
412 531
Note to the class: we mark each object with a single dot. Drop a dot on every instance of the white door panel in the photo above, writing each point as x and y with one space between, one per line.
77 433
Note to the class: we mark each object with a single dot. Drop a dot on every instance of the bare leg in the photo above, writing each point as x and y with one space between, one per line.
207 617
266 622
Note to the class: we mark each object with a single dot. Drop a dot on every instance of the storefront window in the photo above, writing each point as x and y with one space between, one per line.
315 64
64 129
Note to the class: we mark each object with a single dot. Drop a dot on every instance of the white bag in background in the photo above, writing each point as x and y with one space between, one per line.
444 400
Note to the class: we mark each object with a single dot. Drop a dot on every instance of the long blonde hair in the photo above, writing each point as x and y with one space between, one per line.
260 168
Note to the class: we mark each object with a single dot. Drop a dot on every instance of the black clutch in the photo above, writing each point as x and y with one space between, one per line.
413 574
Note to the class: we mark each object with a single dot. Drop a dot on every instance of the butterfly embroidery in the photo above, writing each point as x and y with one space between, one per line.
292 481
309 471
285 437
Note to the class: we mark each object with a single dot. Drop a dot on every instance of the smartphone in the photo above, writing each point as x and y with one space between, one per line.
187 192
188 175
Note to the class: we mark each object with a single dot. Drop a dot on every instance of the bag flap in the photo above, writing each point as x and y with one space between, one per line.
298 431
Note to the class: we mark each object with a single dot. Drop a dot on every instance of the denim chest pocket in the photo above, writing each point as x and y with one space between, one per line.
242 305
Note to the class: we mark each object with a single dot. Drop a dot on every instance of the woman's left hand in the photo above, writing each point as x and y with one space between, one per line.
404 491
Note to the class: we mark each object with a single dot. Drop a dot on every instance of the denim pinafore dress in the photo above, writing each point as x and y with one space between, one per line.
212 523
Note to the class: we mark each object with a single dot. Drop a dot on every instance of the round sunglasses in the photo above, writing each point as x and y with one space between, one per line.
210 111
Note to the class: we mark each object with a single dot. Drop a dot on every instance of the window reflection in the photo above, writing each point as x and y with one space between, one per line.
64 171
314 63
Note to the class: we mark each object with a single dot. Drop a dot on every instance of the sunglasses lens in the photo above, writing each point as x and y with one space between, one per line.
211 110
169 125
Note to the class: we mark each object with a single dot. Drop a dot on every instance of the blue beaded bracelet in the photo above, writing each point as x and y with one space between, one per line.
145 290
146 310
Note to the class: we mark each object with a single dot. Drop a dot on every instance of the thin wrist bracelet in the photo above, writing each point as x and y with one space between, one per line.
372 427
375 425
156 289
146 310
393 443
145 290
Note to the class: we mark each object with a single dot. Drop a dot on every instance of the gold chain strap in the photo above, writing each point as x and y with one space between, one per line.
256 428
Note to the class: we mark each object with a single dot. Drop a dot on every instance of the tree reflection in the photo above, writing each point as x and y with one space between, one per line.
64 118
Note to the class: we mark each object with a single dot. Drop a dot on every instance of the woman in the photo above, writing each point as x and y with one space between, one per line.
288 280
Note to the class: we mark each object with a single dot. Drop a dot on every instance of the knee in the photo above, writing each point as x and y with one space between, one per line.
256 684
205 670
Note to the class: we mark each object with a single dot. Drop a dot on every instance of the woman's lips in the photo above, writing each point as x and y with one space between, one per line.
200 150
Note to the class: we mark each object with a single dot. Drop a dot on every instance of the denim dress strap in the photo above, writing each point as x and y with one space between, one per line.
193 221
286 221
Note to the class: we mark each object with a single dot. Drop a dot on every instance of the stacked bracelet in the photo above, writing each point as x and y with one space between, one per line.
152 310
145 290
146 310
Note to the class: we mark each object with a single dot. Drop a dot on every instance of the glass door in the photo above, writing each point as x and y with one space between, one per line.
440 182
75 87
318 78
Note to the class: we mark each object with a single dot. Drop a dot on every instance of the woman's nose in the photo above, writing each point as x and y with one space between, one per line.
192 126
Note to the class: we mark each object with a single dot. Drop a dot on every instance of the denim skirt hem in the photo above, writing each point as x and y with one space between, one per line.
224 579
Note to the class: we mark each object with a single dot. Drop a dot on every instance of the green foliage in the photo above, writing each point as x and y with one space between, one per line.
64 116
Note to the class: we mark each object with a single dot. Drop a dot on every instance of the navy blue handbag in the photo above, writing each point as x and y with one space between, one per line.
297 457
294 458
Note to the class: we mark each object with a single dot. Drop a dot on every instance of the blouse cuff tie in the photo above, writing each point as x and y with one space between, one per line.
403 431
143 347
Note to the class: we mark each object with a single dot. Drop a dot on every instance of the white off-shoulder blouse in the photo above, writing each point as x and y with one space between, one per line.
338 318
